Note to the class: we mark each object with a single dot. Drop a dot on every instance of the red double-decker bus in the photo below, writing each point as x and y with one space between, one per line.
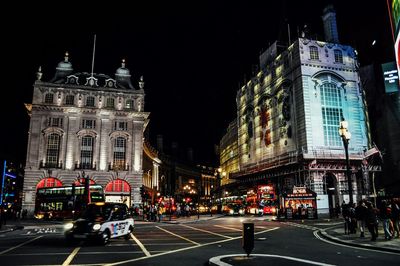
64 202
262 200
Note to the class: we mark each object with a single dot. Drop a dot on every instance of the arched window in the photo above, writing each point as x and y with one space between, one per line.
49 182
332 113
118 185
53 150
119 153
314 53
87 145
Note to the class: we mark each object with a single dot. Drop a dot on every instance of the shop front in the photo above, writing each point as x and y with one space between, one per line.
300 203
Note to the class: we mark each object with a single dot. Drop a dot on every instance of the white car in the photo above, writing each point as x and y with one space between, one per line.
101 222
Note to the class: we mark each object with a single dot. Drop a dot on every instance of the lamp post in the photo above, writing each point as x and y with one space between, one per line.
346 135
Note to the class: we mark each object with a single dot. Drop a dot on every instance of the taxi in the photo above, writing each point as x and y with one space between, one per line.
100 222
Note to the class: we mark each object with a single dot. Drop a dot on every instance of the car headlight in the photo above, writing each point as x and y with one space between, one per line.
68 226
96 227
241 211
230 211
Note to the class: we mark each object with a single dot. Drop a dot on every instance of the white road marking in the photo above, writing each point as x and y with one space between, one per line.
71 256
184 238
217 260
145 251
348 246
205 231
226 227
183 249
20 245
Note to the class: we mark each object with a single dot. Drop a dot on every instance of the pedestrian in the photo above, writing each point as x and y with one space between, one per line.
361 216
24 214
346 217
372 221
395 217
384 215
337 210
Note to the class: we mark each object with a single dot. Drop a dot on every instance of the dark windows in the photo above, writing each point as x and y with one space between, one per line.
88 123
69 100
55 122
87 145
120 125
110 103
90 101
53 150
338 56
48 98
119 153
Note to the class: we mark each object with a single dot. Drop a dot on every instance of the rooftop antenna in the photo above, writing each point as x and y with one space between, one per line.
94 50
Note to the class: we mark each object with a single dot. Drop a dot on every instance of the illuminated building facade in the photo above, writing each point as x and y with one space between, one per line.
86 124
289 116
229 154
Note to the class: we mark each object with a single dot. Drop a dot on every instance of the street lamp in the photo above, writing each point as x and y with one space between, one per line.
345 135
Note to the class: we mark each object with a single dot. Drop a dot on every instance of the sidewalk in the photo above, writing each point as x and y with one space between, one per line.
334 231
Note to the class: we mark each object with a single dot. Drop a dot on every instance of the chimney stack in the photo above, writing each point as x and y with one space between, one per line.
330 27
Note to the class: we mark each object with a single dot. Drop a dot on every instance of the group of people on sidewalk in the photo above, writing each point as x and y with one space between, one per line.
366 215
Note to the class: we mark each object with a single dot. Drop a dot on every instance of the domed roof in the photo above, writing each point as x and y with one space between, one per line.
123 77
63 69
123 71
65 65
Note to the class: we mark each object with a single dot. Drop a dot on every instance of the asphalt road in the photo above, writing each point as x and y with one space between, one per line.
187 244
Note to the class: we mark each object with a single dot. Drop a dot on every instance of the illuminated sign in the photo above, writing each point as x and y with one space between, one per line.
391 77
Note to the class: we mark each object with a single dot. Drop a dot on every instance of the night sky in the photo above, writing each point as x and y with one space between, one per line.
193 56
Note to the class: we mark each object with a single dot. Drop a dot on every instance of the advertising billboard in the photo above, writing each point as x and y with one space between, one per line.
395 19
390 77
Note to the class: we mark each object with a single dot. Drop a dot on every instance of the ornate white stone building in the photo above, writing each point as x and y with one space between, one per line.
86 124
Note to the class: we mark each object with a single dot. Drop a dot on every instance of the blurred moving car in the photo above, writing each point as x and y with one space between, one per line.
255 209
101 222
234 209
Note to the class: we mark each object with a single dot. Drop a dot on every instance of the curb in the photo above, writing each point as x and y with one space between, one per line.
325 235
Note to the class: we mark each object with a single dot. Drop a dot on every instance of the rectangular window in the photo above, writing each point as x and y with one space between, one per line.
119 153
314 53
120 125
87 152
53 146
89 124
129 104
55 122
69 100
90 101
338 56
110 103
48 98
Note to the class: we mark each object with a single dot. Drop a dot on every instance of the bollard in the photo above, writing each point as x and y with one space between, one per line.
248 237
